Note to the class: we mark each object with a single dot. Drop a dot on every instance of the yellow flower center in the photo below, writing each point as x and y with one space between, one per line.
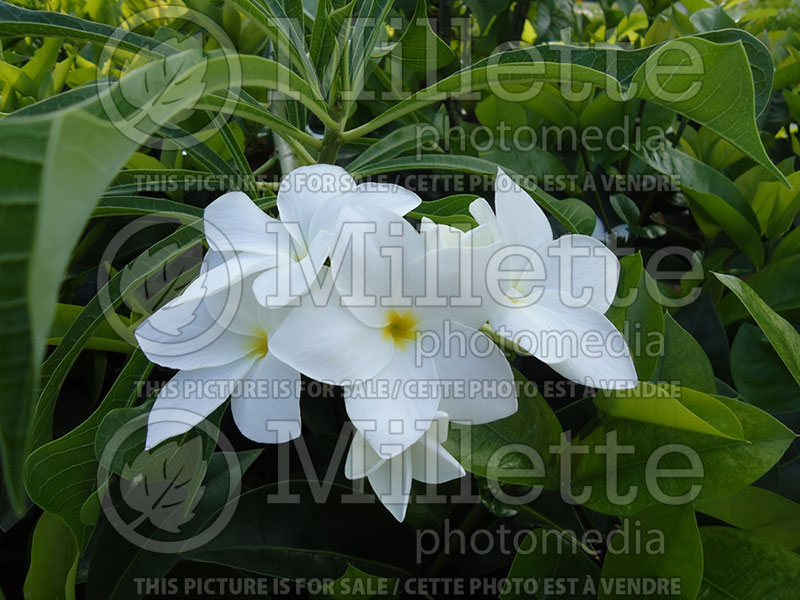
259 346
400 326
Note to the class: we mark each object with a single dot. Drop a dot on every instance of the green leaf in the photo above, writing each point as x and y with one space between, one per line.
662 543
683 361
17 21
364 37
285 31
399 141
637 313
716 99
740 566
116 206
625 208
284 541
774 204
100 308
104 337
450 210
767 440
712 195
777 284
62 474
501 450
781 334
116 562
80 149
485 11
724 101
759 374
671 406
421 50
54 559
571 213
761 513
545 557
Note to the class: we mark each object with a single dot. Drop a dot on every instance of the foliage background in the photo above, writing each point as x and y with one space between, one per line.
69 174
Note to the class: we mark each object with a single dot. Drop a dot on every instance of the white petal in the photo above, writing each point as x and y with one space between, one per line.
484 216
328 343
437 235
234 222
188 336
582 268
395 408
189 397
520 219
366 196
579 343
306 189
266 405
361 458
225 275
455 284
279 286
431 463
370 272
477 381
391 483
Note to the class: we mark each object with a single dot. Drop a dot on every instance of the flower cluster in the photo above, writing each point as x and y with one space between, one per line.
343 289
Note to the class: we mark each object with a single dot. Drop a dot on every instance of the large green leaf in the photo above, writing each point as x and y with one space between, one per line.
709 478
712 195
61 475
283 540
117 562
544 557
781 334
760 512
777 284
54 559
740 566
672 406
668 549
57 166
684 362
708 95
760 375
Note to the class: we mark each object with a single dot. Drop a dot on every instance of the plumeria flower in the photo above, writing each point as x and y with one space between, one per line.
426 461
556 290
400 321
287 252
220 344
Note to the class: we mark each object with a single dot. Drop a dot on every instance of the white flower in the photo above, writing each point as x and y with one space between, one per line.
287 253
426 461
220 344
558 291
400 326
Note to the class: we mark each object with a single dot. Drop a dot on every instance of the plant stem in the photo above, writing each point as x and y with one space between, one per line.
679 134
468 525
332 139
588 170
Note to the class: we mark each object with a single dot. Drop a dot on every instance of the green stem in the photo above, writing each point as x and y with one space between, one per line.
468 525
332 138
588 170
